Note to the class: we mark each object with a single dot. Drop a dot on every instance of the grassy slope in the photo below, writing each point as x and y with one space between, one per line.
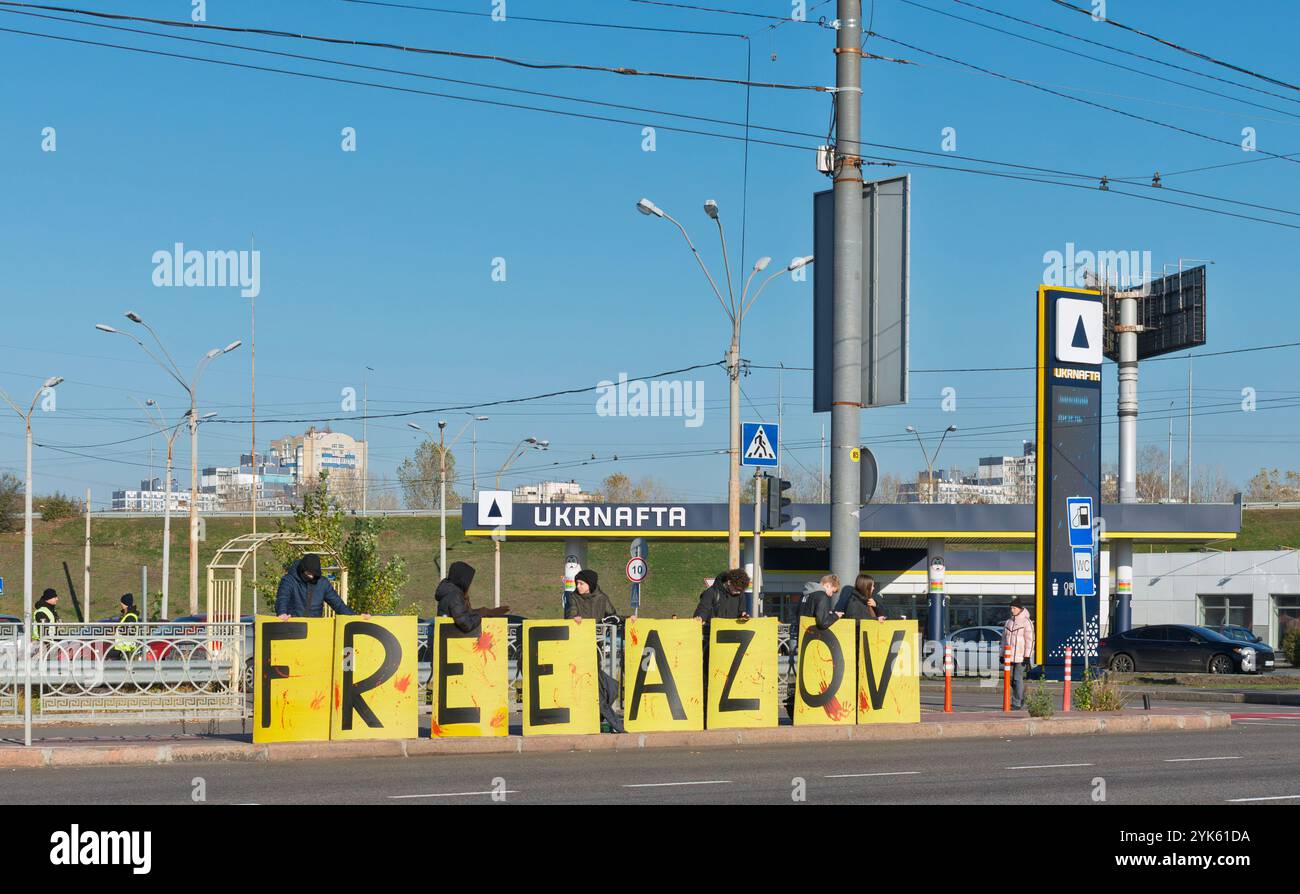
531 570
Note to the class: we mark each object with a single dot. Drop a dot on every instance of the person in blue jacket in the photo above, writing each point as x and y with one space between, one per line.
304 592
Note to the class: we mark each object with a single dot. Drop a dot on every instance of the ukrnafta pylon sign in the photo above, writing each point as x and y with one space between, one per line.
1068 362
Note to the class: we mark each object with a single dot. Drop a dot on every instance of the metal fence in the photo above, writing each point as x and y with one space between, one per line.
204 671
196 671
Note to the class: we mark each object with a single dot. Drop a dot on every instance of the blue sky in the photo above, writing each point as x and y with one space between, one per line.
383 257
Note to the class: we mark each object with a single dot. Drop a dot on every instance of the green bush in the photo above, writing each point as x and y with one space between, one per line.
1291 646
1097 692
1040 702
374 583
57 507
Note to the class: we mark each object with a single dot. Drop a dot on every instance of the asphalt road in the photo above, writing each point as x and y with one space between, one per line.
1257 759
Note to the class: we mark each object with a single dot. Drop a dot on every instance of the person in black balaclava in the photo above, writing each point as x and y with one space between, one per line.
452 596
304 592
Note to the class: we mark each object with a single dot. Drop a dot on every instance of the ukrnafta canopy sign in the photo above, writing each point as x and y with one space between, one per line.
352 678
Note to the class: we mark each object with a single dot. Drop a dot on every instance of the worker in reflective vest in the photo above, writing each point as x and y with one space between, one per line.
44 614
125 643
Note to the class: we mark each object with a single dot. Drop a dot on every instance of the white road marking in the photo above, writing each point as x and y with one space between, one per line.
862 775
667 784
1270 798
1183 760
1047 766
452 794
1264 723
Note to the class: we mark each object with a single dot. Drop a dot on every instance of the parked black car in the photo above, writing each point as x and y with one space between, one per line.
1182 648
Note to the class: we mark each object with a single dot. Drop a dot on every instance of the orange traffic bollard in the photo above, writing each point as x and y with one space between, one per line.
1069 656
1006 679
947 678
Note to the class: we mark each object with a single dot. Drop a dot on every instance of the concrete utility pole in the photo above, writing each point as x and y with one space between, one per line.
170 433
1169 488
52 382
85 582
846 387
1189 429
1127 333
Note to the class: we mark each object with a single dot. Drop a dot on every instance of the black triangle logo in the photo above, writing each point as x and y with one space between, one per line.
1080 336
495 511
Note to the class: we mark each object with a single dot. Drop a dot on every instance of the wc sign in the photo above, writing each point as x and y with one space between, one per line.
1082 541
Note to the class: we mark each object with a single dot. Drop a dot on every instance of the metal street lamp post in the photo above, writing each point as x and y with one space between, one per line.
735 312
191 388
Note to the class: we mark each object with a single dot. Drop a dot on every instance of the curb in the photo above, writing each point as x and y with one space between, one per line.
1232 697
1172 694
12 757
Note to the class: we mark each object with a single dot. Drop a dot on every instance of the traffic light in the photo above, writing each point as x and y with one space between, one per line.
773 517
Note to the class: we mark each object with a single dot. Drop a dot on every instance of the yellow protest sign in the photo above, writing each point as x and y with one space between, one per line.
663 675
889 672
824 687
376 692
291 679
471 679
561 691
742 673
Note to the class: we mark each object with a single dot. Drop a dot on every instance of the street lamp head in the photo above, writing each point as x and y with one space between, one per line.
52 382
952 428
800 262
711 209
543 444
151 402
414 426
133 316
442 423
911 429
230 347
645 206
212 415
104 327
761 264
213 353
480 419
530 440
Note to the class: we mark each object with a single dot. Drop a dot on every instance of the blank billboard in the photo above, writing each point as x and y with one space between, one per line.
1171 314
886 248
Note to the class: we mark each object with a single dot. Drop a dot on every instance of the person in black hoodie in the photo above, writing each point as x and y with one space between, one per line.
452 596
818 601
304 592
858 602
588 600
726 598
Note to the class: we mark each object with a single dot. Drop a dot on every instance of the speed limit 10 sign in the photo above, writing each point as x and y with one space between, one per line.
637 569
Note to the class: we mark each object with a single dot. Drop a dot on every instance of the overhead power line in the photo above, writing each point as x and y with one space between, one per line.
1205 57
513 17
880 160
1098 59
428 51
1087 102
1152 59
747 125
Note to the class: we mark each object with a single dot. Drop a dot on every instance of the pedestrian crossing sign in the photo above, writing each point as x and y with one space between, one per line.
760 444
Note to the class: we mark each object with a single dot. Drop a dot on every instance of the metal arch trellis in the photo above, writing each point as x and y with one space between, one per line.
226 570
